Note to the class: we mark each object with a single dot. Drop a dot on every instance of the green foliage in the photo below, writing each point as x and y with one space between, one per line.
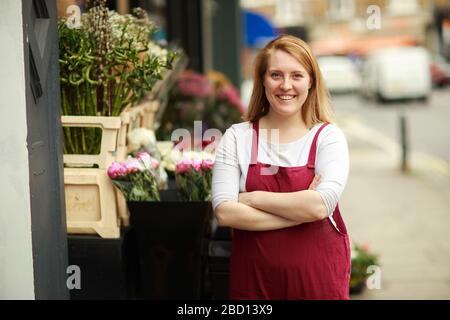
138 186
362 258
105 66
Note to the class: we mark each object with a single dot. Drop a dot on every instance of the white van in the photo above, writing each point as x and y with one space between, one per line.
340 73
397 73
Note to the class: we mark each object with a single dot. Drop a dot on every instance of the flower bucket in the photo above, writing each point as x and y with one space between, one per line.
172 242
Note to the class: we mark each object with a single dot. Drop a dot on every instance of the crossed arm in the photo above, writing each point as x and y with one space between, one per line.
262 210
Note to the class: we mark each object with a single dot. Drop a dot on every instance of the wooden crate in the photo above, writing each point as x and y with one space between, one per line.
91 203
110 142
150 109
132 118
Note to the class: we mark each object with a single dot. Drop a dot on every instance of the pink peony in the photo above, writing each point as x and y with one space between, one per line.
183 166
193 84
155 164
116 170
207 164
143 156
197 165
133 166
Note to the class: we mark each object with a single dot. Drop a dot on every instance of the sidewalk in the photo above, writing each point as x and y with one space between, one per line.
405 218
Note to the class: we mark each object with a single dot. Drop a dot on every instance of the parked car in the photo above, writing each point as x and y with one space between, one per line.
397 73
340 73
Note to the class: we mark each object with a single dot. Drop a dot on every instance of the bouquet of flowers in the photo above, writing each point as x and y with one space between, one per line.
143 140
136 178
193 176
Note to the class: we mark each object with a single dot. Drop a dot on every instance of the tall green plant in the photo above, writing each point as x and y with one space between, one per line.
105 66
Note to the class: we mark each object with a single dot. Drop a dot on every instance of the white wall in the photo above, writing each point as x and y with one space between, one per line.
16 260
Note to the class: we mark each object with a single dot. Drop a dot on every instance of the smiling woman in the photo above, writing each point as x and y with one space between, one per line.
280 194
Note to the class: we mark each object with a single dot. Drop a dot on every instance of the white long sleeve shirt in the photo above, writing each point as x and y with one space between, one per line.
234 152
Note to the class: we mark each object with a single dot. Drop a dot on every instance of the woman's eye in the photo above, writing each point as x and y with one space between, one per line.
297 76
275 75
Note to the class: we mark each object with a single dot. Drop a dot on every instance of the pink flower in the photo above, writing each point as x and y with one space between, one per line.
112 170
133 166
193 84
155 164
183 166
116 170
365 247
143 156
231 95
197 165
207 164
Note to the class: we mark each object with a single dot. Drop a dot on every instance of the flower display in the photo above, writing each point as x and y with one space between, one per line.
136 177
209 98
106 64
193 176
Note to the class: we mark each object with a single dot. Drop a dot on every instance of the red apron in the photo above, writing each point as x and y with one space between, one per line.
308 261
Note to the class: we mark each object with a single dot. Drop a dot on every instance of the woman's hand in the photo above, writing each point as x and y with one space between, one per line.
315 182
247 198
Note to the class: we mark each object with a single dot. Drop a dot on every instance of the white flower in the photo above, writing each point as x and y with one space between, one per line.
198 155
140 138
156 50
171 158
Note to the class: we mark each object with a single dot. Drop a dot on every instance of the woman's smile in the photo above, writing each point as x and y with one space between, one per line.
285 97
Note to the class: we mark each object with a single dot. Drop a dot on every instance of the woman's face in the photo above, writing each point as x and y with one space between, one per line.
286 83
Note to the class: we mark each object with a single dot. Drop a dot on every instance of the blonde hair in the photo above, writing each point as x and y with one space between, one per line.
316 108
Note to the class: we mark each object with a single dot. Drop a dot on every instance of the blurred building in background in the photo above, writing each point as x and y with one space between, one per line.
442 22
360 26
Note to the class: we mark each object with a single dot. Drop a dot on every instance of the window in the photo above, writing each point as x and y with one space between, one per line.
341 9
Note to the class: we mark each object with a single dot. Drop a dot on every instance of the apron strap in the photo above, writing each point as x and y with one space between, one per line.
255 139
312 151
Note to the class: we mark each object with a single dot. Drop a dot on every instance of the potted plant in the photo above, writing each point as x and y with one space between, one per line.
362 259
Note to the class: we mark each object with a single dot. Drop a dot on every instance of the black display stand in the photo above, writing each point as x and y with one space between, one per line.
106 266
172 244
218 263
167 253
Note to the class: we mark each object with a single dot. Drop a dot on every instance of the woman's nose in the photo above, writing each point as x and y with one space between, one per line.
286 84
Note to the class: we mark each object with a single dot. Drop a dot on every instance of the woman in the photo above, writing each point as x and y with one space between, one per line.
280 194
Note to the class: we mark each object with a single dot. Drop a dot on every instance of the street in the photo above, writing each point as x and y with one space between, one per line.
402 217
427 123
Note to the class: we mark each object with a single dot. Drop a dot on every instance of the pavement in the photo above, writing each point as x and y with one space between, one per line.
403 217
